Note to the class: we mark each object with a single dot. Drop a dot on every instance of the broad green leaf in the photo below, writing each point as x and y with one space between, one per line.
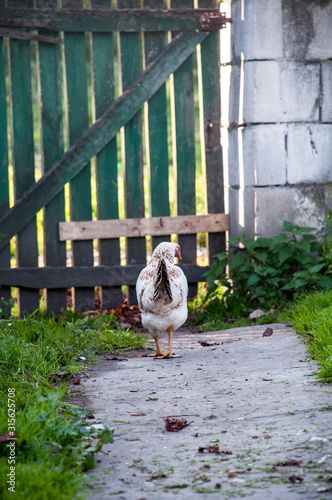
264 242
237 260
316 268
261 256
253 280
304 245
284 254
325 282
280 238
250 245
288 226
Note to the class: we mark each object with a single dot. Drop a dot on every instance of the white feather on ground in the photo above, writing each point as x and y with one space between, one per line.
162 291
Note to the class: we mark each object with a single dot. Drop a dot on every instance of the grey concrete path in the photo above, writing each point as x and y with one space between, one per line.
255 407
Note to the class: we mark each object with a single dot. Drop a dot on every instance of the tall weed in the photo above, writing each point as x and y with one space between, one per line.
262 272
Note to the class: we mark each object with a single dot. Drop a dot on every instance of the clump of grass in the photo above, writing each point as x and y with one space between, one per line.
54 444
311 317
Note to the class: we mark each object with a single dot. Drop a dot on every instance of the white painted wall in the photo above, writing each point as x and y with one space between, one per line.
277 113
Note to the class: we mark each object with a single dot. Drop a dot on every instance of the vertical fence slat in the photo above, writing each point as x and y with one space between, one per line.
52 133
5 292
23 159
210 61
185 149
107 179
131 67
80 186
157 126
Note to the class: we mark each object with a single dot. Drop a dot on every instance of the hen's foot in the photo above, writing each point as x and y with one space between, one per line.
158 355
168 356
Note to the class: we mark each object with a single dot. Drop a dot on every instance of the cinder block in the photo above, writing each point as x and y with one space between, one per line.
307 30
254 29
234 94
241 211
327 91
262 93
276 91
234 221
268 37
233 158
264 155
320 47
309 153
273 206
300 84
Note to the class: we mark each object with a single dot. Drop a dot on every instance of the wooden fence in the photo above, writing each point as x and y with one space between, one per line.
105 114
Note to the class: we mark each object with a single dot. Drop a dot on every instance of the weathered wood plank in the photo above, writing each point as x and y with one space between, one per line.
157 131
106 161
23 156
24 35
102 20
52 134
99 134
5 292
185 148
132 155
154 226
84 276
210 60
80 186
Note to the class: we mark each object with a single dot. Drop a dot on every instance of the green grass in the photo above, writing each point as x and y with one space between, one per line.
55 442
311 317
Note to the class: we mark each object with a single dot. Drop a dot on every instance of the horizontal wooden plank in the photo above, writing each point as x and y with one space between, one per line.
154 226
105 20
84 276
24 35
98 135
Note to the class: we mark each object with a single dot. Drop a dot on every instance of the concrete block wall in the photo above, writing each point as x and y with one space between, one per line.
279 121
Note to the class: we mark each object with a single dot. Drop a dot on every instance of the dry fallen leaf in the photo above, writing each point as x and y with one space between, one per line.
113 358
289 463
214 449
296 479
175 424
234 473
268 332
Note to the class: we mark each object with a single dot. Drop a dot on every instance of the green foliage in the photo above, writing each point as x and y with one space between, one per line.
55 442
311 317
264 272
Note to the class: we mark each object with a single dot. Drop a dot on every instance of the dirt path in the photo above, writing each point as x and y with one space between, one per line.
261 419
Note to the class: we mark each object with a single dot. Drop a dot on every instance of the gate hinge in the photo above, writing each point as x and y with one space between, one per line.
210 21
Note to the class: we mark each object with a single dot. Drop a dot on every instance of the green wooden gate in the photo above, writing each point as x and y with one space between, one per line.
87 89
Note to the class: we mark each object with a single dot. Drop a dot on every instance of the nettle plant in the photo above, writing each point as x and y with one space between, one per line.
262 272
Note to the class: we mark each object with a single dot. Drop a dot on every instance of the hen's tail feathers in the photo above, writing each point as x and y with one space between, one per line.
162 276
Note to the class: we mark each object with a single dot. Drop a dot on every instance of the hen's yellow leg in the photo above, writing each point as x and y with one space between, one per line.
169 348
159 352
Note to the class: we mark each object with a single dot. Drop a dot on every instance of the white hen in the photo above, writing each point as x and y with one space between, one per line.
162 291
